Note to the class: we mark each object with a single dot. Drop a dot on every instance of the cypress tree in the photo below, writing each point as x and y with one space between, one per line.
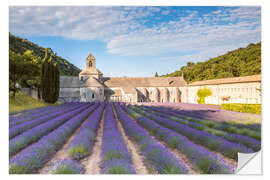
50 80
44 81
57 81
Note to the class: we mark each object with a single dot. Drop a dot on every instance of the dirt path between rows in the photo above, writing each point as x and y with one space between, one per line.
62 153
137 159
181 157
92 162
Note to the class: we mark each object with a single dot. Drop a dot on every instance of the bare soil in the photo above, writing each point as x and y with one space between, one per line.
92 163
62 153
137 159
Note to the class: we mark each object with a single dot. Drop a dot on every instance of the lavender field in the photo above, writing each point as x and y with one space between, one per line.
118 138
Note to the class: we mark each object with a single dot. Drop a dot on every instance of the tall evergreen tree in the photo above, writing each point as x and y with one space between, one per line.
50 80
156 75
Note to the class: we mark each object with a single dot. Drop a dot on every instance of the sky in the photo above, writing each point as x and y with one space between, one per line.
137 41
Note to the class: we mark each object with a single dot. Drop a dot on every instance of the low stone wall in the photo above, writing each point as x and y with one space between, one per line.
31 92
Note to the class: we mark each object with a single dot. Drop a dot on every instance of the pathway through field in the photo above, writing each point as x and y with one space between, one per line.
137 159
62 153
92 162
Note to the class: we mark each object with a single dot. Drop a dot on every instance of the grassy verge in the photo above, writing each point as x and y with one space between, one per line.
22 102
248 108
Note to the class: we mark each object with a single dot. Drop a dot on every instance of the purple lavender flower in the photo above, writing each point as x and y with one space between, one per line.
244 140
83 142
16 130
209 140
67 166
115 156
159 157
21 141
36 155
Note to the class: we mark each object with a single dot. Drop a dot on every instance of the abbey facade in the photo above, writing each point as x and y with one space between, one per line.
90 86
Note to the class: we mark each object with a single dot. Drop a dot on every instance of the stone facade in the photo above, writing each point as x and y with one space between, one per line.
92 86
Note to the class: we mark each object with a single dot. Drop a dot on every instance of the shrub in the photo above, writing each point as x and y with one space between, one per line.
202 94
249 108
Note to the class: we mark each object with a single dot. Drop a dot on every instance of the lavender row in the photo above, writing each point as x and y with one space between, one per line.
205 160
37 114
36 155
160 158
32 112
225 126
32 135
206 139
227 117
16 130
115 156
211 112
83 142
245 140
66 166
27 113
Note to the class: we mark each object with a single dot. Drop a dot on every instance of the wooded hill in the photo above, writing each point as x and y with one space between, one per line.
241 62
19 45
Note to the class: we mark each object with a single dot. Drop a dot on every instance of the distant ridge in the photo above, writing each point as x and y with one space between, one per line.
240 62
19 45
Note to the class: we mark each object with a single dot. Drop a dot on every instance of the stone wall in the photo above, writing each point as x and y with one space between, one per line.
71 94
30 92
229 93
90 94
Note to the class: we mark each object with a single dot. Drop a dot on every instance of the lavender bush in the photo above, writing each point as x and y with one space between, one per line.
115 156
247 141
36 155
67 166
206 139
83 142
21 119
34 134
157 156
16 130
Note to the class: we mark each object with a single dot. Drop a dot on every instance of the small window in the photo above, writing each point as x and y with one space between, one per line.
93 96
82 78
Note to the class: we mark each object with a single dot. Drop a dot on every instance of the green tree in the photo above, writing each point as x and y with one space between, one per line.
21 67
49 79
156 75
240 62
202 94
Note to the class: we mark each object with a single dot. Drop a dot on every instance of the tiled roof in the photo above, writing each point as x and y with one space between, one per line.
144 82
253 78
91 82
90 71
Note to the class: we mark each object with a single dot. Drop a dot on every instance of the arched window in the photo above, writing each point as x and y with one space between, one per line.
90 64
82 78
93 96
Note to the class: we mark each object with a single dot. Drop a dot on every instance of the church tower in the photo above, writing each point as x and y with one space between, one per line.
91 62
91 79
90 69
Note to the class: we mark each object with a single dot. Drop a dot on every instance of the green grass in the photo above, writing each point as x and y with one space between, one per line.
22 102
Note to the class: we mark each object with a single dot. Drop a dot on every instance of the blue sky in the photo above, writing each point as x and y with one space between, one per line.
137 41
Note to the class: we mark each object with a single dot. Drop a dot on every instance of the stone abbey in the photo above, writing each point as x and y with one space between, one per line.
90 85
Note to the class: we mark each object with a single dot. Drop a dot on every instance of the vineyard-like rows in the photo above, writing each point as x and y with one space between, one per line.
115 138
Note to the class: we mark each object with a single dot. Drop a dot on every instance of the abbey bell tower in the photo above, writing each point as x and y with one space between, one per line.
90 69
90 62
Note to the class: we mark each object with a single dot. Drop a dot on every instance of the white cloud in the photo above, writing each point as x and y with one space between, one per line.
125 31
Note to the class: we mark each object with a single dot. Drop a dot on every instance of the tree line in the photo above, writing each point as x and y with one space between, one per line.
19 45
241 62
25 70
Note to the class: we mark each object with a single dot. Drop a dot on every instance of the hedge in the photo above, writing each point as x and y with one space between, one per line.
249 108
